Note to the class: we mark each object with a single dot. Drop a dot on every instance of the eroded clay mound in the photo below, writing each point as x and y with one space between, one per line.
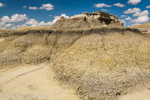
104 67
36 46
13 49
98 63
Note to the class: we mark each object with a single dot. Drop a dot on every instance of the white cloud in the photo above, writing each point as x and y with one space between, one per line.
2 24
13 27
128 18
142 16
58 17
134 10
50 15
148 6
5 19
47 6
33 8
143 13
119 5
105 10
1 5
14 18
128 26
51 23
123 15
136 24
3 28
44 24
24 7
32 22
134 2
8 25
100 5
124 22
41 23
141 19
18 18
19 26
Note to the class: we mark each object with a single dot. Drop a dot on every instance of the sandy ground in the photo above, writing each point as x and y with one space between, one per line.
140 95
1 39
28 82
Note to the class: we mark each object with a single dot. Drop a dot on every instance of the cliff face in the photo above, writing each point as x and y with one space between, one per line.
87 20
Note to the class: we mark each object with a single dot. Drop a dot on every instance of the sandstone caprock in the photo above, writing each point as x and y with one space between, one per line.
96 19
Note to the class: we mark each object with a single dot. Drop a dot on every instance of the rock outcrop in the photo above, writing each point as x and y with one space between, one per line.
96 19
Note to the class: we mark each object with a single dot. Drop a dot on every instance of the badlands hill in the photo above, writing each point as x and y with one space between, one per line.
145 25
97 63
144 28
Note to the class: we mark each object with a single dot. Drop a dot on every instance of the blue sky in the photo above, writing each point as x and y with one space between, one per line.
21 13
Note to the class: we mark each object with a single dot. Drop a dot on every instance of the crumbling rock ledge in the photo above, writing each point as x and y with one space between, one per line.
99 63
96 19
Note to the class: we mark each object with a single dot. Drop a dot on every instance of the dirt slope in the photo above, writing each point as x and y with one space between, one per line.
106 66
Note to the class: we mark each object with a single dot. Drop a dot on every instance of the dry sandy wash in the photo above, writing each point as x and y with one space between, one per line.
30 81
